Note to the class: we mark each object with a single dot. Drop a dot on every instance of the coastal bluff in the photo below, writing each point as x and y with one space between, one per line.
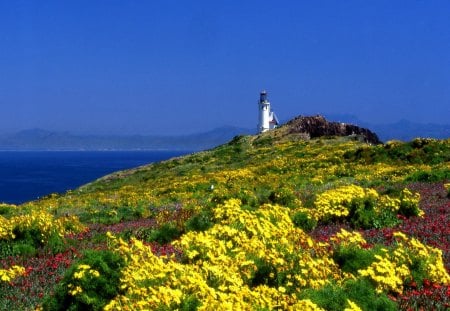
317 126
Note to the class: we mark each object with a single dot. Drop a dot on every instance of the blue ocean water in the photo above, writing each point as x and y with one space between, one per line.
28 175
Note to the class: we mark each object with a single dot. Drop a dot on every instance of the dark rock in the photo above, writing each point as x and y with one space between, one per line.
318 126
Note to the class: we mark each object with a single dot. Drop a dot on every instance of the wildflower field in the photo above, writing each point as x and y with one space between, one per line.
267 222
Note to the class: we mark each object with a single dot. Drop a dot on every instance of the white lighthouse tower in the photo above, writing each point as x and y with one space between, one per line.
267 118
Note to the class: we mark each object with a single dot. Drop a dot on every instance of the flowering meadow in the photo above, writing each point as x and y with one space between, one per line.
267 222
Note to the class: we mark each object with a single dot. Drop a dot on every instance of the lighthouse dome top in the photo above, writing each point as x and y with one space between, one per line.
263 96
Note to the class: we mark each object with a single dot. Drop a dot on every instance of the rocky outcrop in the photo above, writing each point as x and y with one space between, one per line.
318 126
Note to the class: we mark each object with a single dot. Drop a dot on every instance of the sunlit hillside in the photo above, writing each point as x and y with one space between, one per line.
266 222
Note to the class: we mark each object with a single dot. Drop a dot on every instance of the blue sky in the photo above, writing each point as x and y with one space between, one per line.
171 67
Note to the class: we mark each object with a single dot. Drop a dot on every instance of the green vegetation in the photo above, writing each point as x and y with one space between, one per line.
89 284
264 222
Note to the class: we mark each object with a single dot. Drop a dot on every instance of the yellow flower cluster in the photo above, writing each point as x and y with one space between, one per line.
7 275
74 290
345 238
391 270
430 255
6 229
410 199
220 263
335 202
85 270
43 222
388 274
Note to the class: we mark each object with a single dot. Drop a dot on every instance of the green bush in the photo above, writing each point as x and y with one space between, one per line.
165 234
330 297
426 151
6 209
409 204
263 141
30 236
334 298
418 270
364 215
429 176
88 284
283 196
17 248
200 222
361 292
385 218
303 221
190 303
263 272
351 259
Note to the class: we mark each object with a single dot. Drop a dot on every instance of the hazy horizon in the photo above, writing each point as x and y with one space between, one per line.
165 67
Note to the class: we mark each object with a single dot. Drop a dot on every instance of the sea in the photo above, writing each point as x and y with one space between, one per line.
29 175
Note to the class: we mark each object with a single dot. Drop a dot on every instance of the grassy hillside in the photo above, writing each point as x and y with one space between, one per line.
261 223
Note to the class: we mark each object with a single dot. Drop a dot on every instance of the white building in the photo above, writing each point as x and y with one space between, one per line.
267 118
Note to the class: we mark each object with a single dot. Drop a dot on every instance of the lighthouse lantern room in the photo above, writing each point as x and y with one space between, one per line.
267 118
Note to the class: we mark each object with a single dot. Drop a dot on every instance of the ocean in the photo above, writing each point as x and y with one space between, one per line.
28 175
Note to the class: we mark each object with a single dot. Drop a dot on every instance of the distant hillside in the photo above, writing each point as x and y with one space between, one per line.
401 130
406 130
38 139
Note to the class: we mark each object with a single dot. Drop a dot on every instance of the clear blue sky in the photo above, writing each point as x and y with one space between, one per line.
164 67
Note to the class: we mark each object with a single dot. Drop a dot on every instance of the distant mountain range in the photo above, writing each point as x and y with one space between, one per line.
38 139
401 130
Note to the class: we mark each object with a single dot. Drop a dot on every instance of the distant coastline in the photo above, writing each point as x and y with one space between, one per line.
44 140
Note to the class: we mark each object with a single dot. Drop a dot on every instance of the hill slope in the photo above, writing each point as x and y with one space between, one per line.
262 222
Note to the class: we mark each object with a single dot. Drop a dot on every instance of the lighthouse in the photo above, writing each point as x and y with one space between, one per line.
267 118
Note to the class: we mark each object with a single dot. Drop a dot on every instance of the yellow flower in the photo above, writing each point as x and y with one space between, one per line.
352 306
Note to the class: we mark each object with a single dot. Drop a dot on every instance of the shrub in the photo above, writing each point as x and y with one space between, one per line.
351 259
165 234
16 248
200 222
190 303
56 244
303 221
89 284
283 196
429 176
262 274
363 216
263 141
7 209
330 297
363 294
360 291
385 218
418 270
409 203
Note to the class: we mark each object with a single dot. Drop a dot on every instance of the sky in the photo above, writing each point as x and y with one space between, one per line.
175 67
